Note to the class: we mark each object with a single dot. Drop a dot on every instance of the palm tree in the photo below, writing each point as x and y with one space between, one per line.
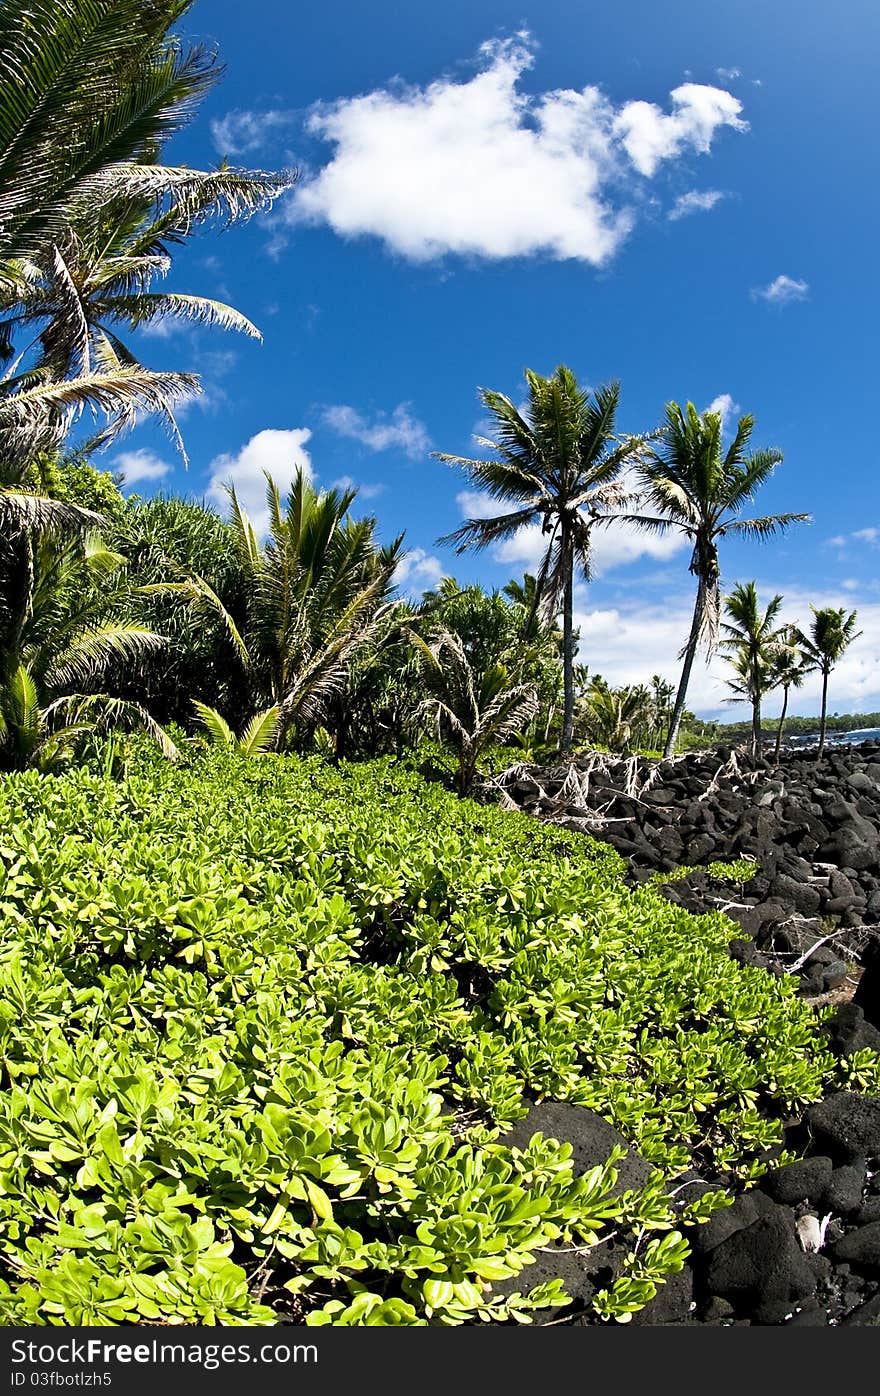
62 642
662 694
95 277
537 624
559 466
480 708
257 738
89 92
314 595
830 635
701 490
751 636
789 671
615 717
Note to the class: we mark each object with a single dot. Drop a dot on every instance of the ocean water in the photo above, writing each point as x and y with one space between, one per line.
861 734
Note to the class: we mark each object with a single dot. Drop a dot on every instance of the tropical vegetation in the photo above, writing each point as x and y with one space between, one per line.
265 1021
273 984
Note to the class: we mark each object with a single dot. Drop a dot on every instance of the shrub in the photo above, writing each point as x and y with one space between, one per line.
261 1022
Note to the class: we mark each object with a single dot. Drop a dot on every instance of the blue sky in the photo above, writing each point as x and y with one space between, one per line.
681 196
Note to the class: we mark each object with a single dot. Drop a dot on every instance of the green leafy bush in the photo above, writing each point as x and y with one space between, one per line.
262 1021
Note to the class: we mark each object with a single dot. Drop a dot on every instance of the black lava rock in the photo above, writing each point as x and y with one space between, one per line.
849 1031
760 1265
847 1126
861 1248
804 1181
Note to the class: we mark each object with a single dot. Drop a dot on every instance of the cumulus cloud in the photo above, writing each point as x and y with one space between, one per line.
480 168
726 408
280 452
400 431
782 291
728 74
628 643
240 132
417 571
140 465
650 135
695 201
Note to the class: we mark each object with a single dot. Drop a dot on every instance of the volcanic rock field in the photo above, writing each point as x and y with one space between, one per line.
803 1248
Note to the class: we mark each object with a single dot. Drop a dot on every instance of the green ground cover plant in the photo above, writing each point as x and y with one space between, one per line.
263 1021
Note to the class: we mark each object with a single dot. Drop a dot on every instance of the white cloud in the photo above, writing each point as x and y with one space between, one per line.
140 465
782 291
629 643
480 168
728 74
695 201
345 482
281 453
164 328
869 536
417 571
725 406
401 431
240 132
649 135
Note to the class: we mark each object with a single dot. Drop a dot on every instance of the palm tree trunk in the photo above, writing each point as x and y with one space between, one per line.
690 652
567 647
823 719
757 739
781 722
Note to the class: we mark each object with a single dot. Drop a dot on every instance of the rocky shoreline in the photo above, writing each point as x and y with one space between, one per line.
803 1248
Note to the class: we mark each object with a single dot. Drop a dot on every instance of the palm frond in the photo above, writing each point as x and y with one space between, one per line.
260 733
217 727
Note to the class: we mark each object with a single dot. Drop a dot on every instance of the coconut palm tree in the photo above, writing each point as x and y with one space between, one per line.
754 640
616 717
698 487
63 639
557 465
477 707
537 624
96 277
662 694
831 633
789 671
89 92
315 592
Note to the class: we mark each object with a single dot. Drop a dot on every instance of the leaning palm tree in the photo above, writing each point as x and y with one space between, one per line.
63 640
89 91
701 489
754 641
790 668
316 590
557 465
830 635
477 708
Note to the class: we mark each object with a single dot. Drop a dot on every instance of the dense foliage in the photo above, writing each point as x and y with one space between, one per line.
261 1021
